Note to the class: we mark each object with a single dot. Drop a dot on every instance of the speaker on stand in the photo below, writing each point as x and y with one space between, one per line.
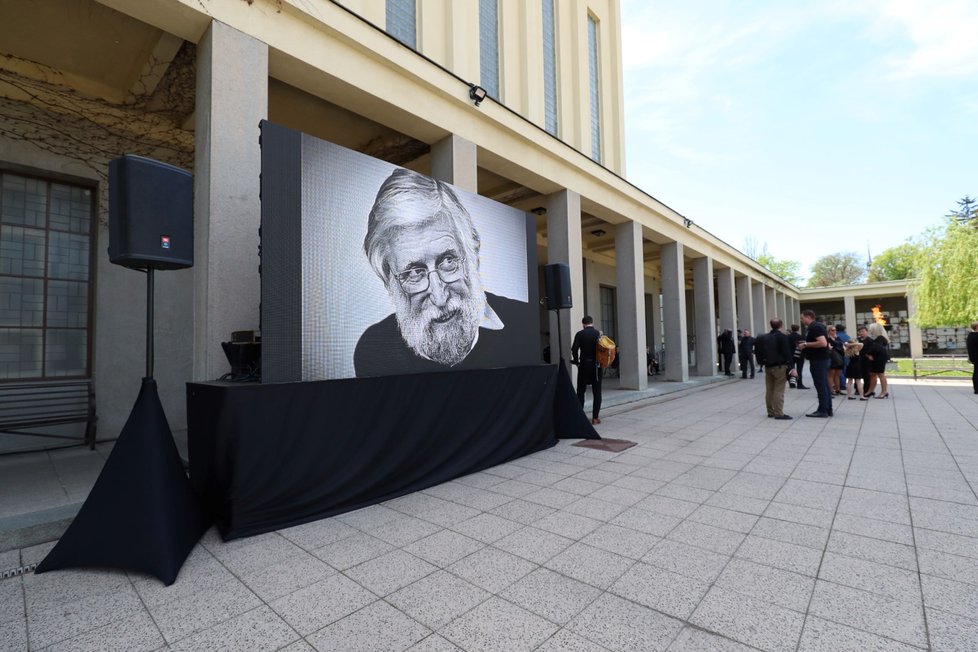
557 285
142 513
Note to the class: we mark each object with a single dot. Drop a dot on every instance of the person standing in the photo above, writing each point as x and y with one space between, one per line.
584 355
862 336
727 350
774 350
973 353
879 354
837 360
816 350
843 336
746 356
794 338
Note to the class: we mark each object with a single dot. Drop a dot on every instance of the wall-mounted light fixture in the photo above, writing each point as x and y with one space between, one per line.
688 222
598 233
539 210
477 94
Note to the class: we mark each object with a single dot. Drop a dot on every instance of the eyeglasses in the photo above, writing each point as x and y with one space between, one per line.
415 280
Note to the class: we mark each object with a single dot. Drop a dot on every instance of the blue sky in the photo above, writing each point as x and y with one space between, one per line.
812 126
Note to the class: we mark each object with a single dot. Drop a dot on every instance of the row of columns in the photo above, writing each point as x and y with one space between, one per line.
233 67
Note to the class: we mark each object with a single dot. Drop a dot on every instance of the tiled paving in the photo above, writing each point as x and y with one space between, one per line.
722 530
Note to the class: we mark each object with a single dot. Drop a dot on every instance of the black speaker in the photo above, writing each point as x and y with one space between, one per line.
556 278
151 214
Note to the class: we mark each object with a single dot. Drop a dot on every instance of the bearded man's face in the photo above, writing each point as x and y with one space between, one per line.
437 305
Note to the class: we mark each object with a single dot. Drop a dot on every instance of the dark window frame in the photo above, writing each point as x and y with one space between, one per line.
49 179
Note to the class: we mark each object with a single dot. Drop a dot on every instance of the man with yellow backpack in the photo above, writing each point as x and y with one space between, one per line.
592 352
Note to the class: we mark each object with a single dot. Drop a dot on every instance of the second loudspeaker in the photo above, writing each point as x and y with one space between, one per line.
556 279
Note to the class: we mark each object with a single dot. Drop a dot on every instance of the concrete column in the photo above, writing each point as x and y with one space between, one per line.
745 304
796 312
770 304
655 290
232 97
630 268
674 307
782 306
564 246
916 335
760 308
727 305
706 328
454 160
850 303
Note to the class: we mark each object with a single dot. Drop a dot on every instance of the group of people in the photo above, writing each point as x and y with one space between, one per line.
836 362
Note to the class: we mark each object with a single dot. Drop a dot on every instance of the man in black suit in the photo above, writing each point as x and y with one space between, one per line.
746 354
584 355
973 353
775 353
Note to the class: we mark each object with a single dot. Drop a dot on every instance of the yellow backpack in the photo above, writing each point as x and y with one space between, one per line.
605 351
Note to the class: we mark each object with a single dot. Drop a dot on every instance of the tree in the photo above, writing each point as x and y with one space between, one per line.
947 290
786 269
967 210
896 263
842 268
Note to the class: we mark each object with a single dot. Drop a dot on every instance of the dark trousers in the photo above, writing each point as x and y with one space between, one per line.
746 361
727 359
799 367
820 378
974 378
588 373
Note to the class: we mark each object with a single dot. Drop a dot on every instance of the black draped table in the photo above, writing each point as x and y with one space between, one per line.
269 456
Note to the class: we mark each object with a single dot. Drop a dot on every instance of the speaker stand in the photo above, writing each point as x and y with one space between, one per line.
560 337
142 514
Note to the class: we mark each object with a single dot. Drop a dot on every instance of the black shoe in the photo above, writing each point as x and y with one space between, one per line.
818 415
803 387
783 417
752 378
744 377
831 413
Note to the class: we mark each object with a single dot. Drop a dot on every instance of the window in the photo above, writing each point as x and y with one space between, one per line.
46 231
609 312
549 68
402 21
592 59
489 47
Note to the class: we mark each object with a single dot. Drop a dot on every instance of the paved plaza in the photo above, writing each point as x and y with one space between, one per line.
721 530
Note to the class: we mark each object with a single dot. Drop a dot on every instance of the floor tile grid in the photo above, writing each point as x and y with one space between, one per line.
926 408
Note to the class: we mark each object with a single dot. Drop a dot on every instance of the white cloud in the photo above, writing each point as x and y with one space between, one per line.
944 37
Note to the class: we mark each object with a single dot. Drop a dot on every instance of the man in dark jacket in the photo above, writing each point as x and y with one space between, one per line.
973 353
584 354
727 349
775 353
746 354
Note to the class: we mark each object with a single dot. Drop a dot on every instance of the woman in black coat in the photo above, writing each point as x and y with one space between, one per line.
878 355
854 369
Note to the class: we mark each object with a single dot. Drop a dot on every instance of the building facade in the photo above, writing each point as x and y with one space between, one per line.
187 82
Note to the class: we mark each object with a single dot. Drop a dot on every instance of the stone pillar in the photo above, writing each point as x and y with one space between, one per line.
727 305
851 325
454 160
760 308
745 305
630 268
564 246
232 97
916 335
655 319
770 305
674 307
783 307
705 317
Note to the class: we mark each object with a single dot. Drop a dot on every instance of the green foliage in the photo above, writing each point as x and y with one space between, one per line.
947 289
967 210
786 269
895 264
842 268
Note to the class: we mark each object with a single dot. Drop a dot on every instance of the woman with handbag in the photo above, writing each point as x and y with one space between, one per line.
836 361
878 355
854 369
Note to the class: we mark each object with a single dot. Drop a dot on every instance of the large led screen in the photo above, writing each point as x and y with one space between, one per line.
371 269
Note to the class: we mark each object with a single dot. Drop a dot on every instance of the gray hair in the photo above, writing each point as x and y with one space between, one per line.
877 330
409 200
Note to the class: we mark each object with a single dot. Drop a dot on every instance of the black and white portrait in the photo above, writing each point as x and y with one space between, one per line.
400 273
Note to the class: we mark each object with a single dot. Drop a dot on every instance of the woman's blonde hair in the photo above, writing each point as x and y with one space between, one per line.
877 330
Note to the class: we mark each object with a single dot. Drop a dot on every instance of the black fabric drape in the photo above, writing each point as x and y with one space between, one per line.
275 455
142 513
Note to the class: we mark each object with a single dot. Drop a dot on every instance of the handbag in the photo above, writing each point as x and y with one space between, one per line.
836 358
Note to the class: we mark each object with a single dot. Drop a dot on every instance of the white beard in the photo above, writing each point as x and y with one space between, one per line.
446 342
